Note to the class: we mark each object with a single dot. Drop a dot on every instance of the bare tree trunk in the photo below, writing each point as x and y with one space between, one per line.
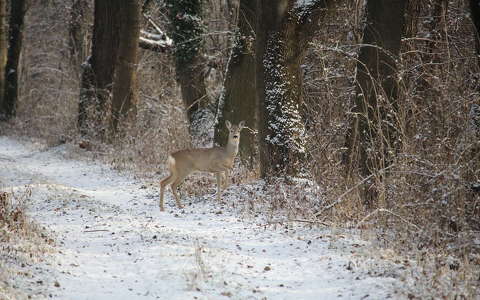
3 46
15 37
413 9
436 27
473 169
125 98
475 14
98 73
372 138
78 28
238 99
283 31
186 32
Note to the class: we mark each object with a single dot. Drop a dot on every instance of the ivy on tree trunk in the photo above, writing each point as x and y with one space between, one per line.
283 31
186 31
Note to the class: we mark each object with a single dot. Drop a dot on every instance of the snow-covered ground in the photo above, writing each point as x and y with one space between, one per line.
114 243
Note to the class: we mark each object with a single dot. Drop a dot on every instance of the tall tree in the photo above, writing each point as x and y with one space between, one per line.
98 73
15 38
77 29
238 99
284 28
186 31
474 157
372 138
3 46
436 27
125 98
475 15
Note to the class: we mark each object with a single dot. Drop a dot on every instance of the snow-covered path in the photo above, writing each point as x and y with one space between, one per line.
114 243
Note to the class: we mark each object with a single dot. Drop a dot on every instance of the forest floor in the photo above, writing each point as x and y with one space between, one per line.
112 242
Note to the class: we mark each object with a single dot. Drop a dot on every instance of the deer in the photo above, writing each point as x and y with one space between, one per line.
218 160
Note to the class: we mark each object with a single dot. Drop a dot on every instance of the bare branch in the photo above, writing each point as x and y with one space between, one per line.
153 36
159 42
157 28
153 45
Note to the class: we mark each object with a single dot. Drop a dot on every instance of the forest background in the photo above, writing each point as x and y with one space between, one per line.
377 102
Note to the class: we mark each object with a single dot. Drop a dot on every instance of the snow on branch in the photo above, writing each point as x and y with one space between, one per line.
303 9
159 41
154 45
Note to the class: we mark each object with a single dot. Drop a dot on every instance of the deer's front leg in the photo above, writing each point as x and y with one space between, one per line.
226 178
220 178
226 169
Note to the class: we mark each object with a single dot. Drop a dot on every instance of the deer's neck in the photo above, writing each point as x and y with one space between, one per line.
232 148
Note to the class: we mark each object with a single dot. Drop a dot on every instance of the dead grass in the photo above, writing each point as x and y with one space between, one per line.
22 244
428 214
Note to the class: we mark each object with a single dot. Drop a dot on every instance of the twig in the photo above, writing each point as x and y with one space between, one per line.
253 131
310 221
387 211
95 230
159 30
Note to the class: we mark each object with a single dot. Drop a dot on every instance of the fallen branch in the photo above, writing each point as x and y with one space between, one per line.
159 42
153 45
153 36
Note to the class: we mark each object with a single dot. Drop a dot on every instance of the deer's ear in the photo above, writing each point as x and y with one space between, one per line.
228 124
241 124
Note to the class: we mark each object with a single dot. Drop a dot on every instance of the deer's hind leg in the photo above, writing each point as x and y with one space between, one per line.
163 183
221 184
175 185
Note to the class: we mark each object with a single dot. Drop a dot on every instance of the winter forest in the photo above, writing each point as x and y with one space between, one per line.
359 129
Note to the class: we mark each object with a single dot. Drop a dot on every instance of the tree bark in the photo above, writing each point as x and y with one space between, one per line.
372 138
98 73
125 98
283 31
78 28
3 46
473 170
436 27
15 37
238 99
186 32
475 14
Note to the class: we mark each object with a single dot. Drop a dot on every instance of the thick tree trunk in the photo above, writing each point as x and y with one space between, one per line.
238 99
283 31
473 170
475 14
3 46
436 26
98 74
186 31
15 37
125 98
78 28
372 139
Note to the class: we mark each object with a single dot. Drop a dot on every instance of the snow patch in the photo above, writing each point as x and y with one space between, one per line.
114 243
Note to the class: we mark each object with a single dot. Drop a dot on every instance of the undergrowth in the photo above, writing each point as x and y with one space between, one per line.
429 208
22 244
